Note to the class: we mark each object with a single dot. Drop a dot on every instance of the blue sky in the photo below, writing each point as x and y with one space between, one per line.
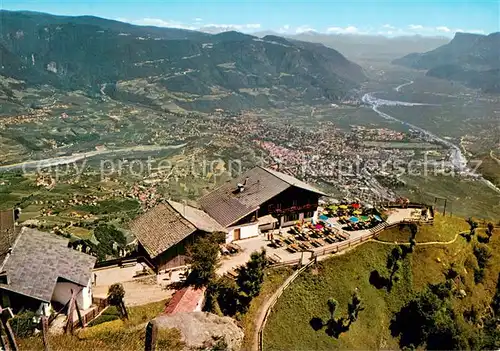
390 17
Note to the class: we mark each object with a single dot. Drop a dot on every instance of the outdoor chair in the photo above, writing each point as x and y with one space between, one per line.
277 242
305 245
289 240
316 243
329 239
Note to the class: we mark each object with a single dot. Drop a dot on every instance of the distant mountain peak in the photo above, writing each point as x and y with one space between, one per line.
472 59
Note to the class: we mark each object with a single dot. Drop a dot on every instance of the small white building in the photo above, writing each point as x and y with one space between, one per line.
39 269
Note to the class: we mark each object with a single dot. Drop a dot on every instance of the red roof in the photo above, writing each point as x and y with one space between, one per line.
185 300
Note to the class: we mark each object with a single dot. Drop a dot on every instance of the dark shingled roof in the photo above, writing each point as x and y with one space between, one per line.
39 259
227 205
161 228
197 217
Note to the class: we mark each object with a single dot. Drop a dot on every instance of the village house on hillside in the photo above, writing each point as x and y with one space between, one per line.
164 232
257 199
38 269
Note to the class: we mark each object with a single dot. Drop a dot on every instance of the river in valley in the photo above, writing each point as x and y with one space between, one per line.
64 160
456 157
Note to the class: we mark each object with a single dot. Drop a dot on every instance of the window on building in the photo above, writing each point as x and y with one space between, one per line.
292 217
309 214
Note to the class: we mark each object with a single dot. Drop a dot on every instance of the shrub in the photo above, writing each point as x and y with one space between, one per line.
479 275
483 254
203 255
23 325
116 293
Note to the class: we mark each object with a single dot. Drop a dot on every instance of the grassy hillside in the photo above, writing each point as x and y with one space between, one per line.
289 324
274 278
114 335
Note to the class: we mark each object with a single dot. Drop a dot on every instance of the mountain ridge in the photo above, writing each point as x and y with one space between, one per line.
186 66
471 59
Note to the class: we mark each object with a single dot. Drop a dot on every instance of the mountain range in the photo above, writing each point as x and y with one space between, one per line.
359 47
190 69
471 59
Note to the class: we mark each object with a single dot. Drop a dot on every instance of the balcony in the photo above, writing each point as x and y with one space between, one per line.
307 207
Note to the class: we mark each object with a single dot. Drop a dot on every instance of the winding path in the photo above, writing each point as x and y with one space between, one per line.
398 88
265 309
427 243
492 155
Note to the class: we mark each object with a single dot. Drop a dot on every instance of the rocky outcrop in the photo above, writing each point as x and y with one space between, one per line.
202 329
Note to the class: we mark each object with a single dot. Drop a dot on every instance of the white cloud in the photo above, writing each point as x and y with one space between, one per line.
253 25
211 28
304 29
157 22
415 26
476 31
386 29
283 29
346 30
219 28
443 29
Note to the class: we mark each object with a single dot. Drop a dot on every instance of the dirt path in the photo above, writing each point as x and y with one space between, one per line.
492 155
418 244
266 308
137 292
426 243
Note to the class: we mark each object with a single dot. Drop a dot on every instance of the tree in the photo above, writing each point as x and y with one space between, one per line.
353 308
473 225
452 272
413 230
413 234
413 243
224 298
203 256
394 264
483 254
334 326
489 230
116 293
414 322
211 299
227 297
251 276
332 307
109 237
